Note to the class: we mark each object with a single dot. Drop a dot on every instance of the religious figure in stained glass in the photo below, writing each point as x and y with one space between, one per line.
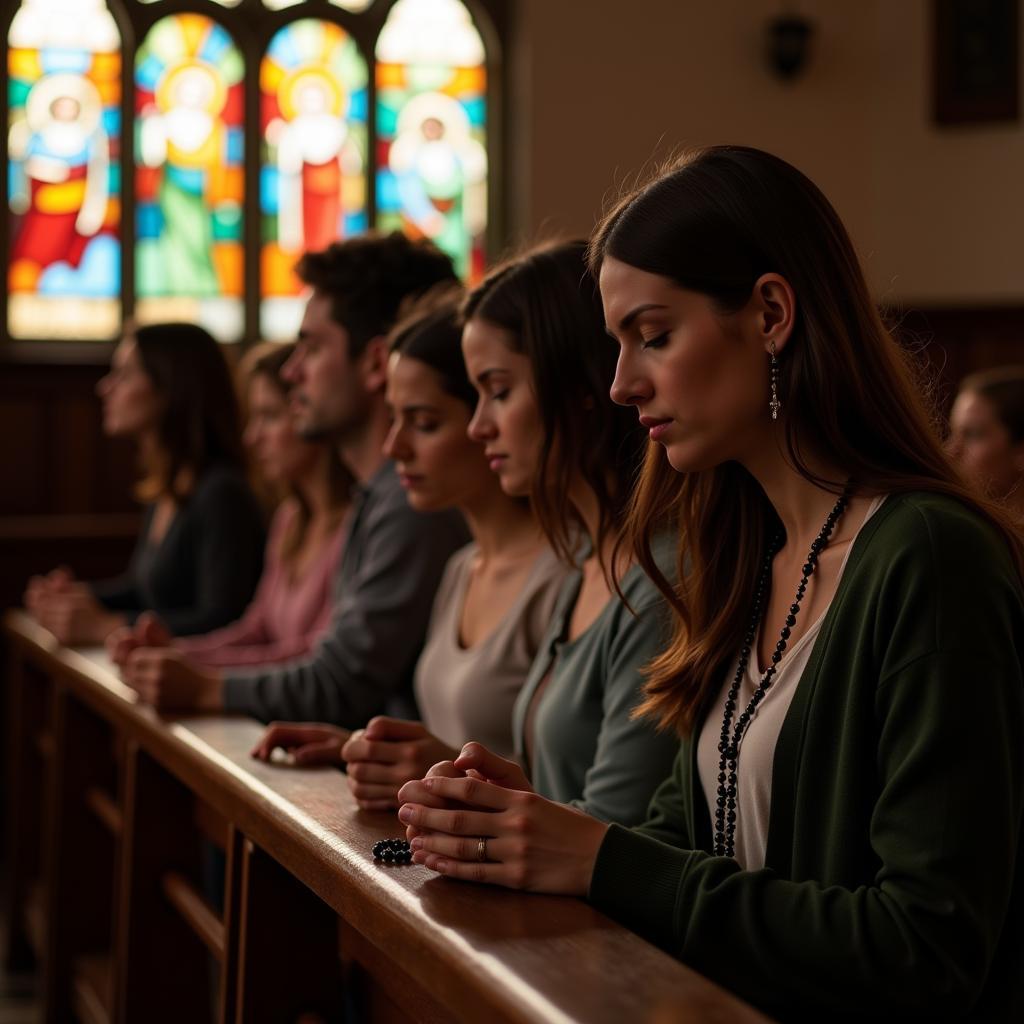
64 94
189 178
431 108
313 81
424 153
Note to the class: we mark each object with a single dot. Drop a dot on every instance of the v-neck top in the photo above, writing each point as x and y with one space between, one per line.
467 693
586 747
757 749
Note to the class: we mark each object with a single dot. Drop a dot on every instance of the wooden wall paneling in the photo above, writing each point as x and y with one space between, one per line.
23 433
955 342
55 457
163 968
80 859
285 932
76 451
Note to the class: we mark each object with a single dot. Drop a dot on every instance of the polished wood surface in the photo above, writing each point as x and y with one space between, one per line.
183 880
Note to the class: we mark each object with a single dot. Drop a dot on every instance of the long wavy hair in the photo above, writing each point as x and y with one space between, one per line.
713 223
547 299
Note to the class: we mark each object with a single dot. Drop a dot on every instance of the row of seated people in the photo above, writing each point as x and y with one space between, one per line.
780 559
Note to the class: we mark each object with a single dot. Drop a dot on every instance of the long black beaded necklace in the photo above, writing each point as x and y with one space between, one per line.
729 744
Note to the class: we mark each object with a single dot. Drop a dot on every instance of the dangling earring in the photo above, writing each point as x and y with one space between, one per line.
773 377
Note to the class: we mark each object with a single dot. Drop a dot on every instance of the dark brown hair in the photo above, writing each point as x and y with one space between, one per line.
1004 388
549 302
200 424
714 223
267 361
430 331
369 277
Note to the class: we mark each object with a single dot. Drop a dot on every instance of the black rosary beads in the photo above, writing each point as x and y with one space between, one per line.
729 744
392 851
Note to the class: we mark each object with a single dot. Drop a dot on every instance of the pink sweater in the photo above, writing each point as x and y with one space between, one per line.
286 616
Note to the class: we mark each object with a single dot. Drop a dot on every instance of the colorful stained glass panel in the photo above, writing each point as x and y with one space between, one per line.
189 179
313 96
64 190
431 128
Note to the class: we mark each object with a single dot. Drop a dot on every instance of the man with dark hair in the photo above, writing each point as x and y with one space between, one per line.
394 556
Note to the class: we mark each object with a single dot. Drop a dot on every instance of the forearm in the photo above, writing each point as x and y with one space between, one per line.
841 953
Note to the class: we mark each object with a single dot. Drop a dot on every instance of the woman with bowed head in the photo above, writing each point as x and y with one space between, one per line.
537 351
294 598
199 555
496 597
840 835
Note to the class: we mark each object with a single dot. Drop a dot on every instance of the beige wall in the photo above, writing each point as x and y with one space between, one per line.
601 85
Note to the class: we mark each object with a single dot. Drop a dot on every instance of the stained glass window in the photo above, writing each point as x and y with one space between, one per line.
431 116
189 181
64 96
228 188
313 95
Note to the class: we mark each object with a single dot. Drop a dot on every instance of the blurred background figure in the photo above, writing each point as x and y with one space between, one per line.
200 550
293 601
987 433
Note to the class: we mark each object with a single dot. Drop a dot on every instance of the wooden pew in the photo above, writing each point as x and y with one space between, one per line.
158 873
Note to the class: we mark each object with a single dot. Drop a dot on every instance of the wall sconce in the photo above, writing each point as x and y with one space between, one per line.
789 44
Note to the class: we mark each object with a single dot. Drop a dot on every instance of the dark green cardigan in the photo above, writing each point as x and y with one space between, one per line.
893 883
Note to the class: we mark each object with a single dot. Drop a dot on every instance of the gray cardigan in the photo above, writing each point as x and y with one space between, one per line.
587 750
389 572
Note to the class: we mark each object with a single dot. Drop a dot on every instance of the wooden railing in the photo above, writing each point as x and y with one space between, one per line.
158 873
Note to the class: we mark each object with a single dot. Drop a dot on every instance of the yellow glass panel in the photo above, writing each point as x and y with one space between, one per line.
25 64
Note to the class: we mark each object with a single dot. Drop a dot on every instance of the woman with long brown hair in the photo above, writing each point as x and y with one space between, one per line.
840 835
293 601
199 555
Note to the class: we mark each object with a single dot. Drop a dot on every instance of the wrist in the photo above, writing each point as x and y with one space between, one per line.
592 837
211 695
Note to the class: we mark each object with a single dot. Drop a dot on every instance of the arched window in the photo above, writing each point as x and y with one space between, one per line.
313 95
189 175
63 186
168 163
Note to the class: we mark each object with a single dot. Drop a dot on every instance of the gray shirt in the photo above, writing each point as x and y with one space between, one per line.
587 749
467 693
393 561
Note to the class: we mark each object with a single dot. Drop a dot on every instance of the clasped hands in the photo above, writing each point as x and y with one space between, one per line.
379 759
68 609
531 843
161 674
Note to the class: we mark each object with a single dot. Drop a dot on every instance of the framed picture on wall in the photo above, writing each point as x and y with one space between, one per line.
976 61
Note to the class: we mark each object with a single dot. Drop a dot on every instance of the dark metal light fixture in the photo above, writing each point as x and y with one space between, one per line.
789 44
